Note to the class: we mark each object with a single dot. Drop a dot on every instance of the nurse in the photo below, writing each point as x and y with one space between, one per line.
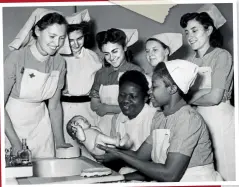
113 43
33 74
82 66
179 144
136 117
159 47
212 96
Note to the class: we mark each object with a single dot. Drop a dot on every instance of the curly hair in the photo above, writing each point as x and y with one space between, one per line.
137 78
216 39
113 35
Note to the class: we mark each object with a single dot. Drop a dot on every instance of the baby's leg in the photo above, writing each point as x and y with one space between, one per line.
107 140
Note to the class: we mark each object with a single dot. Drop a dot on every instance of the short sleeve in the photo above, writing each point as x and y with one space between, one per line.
222 69
186 134
149 139
10 66
62 70
158 119
94 92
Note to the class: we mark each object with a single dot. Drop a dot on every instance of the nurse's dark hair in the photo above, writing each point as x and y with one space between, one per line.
161 72
137 78
216 39
161 43
48 20
113 35
87 31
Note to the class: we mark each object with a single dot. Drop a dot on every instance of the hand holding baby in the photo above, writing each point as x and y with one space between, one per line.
79 128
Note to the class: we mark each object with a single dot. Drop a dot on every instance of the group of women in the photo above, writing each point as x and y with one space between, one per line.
172 141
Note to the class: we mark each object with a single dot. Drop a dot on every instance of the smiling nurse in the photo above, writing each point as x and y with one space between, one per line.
179 147
82 66
113 44
33 74
159 47
213 103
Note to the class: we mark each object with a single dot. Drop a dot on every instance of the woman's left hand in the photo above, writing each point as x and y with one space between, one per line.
107 157
113 151
63 145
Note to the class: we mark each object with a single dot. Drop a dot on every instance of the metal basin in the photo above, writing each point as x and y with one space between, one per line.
55 167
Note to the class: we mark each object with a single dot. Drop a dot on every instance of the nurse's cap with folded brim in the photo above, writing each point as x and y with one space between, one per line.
173 40
183 72
78 17
24 37
214 13
132 36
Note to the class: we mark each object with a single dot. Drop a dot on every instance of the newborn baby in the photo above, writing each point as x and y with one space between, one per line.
79 128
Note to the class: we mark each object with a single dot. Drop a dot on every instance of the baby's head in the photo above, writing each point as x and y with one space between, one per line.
77 121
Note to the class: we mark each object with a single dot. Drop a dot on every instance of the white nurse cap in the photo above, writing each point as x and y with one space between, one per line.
173 40
24 37
183 73
78 17
132 36
214 13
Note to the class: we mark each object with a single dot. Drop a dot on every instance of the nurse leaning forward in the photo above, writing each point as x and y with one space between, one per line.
33 73
179 147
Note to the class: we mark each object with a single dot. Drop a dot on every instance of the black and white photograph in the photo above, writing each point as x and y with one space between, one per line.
103 94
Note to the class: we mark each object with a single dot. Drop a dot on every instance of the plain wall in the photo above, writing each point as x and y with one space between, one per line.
106 17
15 17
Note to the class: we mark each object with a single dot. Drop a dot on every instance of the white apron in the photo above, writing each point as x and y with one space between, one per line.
80 75
29 114
195 174
108 95
220 120
81 72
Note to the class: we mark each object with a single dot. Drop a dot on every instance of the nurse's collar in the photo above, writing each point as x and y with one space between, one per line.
79 54
177 107
37 54
208 51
